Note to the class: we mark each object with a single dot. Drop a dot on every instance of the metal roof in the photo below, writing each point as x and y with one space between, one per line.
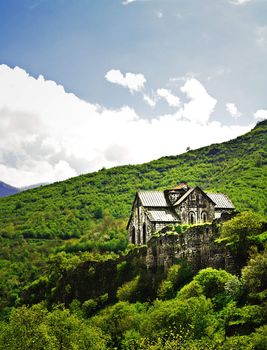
163 215
221 201
153 199
157 199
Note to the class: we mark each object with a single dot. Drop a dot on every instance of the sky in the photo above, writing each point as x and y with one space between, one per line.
87 84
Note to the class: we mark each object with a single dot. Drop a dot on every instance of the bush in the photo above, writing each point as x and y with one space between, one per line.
254 275
240 233
192 289
89 307
177 276
127 291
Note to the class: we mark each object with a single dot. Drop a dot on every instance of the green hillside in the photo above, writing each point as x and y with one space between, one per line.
69 208
64 243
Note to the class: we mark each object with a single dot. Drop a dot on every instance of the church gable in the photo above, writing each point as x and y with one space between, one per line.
195 207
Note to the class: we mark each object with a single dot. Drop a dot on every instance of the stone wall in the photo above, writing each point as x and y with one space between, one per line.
140 227
196 208
197 246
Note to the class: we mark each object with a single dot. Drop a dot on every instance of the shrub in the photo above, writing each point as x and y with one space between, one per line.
177 276
128 290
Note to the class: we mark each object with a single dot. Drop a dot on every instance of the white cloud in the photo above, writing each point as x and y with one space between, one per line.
134 82
240 2
48 135
232 109
150 101
159 14
127 2
260 114
261 36
201 104
172 100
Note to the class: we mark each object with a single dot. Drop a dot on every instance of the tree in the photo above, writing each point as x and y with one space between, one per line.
72 333
127 291
27 330
177 276
254 275
240 232
37 329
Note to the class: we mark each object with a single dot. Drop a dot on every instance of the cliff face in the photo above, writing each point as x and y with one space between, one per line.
197 246
99 280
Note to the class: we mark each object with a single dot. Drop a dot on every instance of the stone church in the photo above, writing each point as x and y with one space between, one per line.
154 210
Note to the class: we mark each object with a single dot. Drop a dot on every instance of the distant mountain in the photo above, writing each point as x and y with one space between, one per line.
25 188
7 190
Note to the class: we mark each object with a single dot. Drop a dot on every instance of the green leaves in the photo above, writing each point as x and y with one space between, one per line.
35 328
241 232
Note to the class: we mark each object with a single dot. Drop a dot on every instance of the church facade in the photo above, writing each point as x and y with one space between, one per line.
154 210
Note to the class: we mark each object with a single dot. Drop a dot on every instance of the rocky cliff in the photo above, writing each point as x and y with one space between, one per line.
197 246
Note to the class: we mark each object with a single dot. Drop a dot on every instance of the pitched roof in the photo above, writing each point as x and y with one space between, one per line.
162 215
221 201
157 199
153 199
180 200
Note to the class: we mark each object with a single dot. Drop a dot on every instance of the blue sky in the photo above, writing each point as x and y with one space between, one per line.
193 67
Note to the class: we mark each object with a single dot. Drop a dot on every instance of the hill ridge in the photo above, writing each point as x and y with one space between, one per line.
69 208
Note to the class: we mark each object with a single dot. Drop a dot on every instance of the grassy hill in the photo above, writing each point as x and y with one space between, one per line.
70 208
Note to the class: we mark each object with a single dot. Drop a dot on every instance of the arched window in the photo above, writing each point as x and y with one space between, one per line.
204 217
191 218
138 236
144 233
133 235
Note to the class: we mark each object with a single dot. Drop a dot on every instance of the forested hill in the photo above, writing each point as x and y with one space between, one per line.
68 208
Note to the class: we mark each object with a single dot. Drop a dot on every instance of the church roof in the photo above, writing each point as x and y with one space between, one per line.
162 215
157 199
153 199
221 201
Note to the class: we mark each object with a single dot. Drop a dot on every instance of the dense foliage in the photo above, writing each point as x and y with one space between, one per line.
216 310
69 281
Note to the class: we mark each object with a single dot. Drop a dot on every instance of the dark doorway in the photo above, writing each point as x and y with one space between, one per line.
204 217
133 235
144 233
138 237
191 218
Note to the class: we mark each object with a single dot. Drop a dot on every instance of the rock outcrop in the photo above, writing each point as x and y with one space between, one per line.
197 246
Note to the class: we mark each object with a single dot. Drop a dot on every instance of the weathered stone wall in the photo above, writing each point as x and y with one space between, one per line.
140 227
196 208
197 246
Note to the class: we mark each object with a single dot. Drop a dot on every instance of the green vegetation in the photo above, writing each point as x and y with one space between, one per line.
70 208
223 311
241 233
68 280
